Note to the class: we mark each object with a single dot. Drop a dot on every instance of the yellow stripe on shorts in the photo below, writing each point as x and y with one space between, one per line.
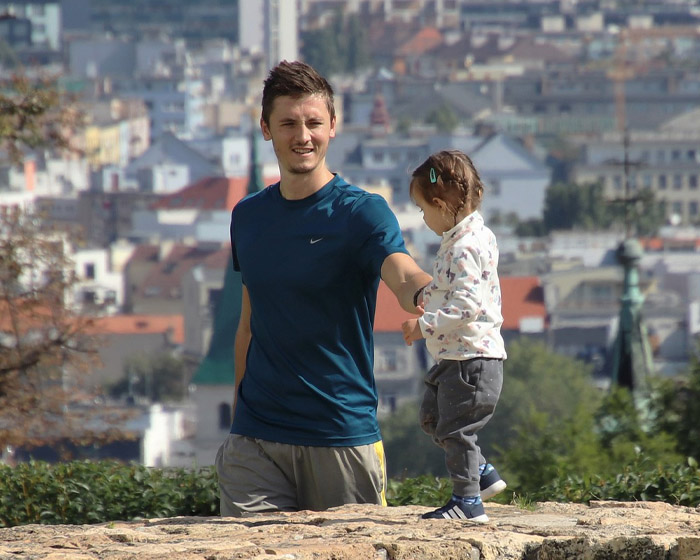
379 449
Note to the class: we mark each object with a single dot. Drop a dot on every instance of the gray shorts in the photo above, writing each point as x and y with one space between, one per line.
257 475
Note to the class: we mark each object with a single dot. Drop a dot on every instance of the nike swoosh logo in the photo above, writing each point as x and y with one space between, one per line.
312 241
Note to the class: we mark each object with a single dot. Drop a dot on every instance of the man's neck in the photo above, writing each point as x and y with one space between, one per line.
295 186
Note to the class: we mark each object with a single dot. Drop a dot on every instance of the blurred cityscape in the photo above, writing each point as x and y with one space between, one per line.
549 98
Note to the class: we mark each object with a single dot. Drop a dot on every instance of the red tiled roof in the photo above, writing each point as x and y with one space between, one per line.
389 314
143 324
219 259
210 193
522 297
529 49
426 39
166 276
655 244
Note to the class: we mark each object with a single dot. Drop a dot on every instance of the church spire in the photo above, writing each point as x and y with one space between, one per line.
255 178
631 360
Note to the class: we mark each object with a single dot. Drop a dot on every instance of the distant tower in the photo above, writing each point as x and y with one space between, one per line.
255 178
280 31
379 118
631 364
269 26
215 375
631 360
250 25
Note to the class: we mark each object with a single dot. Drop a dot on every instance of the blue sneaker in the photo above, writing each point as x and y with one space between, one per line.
459 509
490 482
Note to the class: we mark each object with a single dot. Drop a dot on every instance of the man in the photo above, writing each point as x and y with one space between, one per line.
311 250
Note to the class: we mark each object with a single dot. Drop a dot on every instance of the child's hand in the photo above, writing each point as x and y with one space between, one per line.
411 331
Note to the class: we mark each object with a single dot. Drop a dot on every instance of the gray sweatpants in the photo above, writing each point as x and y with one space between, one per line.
459 399
256 475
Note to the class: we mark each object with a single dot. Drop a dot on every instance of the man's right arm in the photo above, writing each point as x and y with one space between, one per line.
241 344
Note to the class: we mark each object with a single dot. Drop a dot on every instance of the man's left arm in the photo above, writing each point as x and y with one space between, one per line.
405 278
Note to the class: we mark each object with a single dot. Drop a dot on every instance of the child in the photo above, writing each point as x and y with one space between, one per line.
461 323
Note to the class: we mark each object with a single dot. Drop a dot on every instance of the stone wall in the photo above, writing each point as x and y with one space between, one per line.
551 531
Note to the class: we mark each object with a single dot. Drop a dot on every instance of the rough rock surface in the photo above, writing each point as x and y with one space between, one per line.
601 531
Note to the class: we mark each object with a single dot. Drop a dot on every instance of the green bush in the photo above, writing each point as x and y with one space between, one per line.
83 492
423 490
641 480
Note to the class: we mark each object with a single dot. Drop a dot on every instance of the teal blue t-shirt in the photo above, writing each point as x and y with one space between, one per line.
312 269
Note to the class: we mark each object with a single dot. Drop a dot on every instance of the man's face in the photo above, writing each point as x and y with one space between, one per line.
300 130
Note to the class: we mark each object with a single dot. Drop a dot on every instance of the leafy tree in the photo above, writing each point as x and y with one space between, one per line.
45 348
341 47
530 228
542 391
160 378
443 117
568 206
357 51
409 451
403 126
647 214
36 114
320 49
674 409
571 206
552 423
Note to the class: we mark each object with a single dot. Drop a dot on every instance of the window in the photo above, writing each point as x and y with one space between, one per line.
677 208
693 209
693 181
675 155
617 182
90 271
677 182
646 181
385 360
662 182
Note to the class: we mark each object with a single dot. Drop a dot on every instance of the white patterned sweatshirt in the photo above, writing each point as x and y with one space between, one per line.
462 318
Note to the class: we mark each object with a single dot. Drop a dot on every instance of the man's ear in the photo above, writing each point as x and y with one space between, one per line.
265 129
331 134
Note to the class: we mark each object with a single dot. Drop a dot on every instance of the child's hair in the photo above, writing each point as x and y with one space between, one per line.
449 175
294 79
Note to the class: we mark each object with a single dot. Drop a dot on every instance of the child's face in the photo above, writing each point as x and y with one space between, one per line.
435 214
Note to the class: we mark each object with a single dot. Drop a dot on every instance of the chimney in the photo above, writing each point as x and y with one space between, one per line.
30 174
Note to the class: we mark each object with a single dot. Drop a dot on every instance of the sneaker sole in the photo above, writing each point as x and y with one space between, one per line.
459 515
496 488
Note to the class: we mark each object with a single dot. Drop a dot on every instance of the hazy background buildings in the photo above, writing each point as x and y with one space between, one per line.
539 93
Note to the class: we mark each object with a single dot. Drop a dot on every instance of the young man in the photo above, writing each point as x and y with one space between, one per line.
311 250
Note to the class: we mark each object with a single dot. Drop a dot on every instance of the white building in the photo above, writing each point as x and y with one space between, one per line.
269 26
99 289
45 18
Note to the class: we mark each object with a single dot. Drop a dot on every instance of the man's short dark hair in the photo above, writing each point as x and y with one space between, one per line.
294 79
